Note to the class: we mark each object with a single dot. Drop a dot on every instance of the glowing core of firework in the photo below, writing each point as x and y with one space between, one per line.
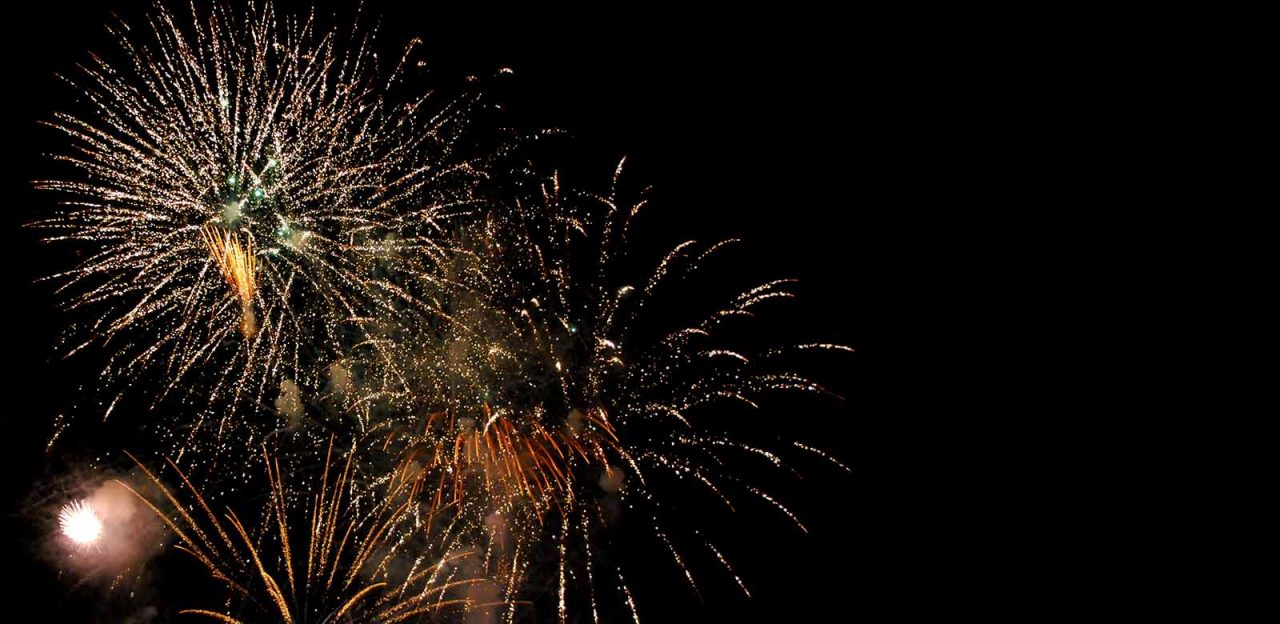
80 523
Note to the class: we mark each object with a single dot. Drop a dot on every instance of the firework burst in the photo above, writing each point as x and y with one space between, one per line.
363 556
259 216
548 400
255 152
80 523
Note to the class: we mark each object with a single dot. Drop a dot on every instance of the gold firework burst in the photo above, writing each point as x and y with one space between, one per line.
277 131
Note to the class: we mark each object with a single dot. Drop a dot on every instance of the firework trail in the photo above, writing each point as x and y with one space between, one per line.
362 557
241 187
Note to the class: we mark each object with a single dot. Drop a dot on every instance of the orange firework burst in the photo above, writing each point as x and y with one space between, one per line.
507 461
239 267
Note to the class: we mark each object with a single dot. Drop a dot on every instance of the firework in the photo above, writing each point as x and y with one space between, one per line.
260 216
255 152
547 400
362 555
79 523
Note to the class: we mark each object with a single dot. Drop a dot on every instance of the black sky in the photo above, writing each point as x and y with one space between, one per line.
755 124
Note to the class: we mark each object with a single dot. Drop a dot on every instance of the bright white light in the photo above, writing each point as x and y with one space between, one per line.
80 523
232 212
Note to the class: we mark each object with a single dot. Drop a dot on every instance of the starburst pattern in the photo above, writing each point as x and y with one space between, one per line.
548 396
80 523
258 151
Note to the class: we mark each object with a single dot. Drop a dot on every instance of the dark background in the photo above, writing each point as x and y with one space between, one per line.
771 126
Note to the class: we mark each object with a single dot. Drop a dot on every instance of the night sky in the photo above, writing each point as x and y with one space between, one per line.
752 125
